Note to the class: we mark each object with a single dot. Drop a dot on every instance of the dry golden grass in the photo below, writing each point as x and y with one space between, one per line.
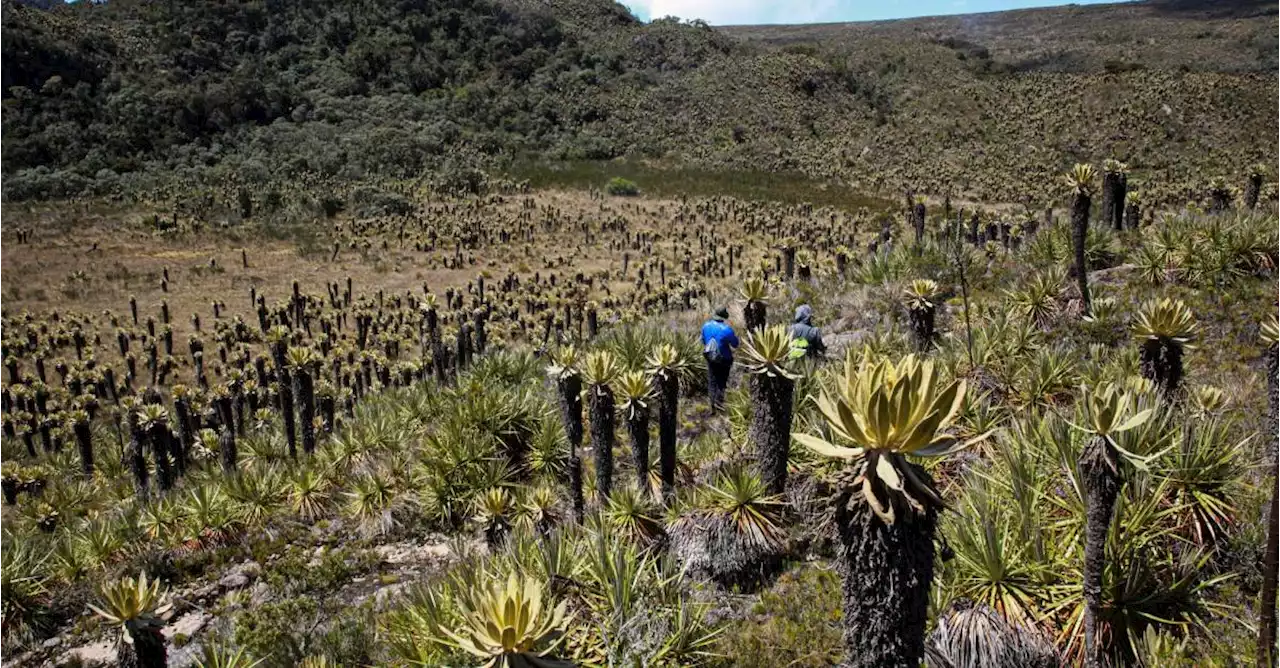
90 258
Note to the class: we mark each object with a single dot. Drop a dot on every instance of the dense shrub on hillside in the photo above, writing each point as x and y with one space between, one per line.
620 186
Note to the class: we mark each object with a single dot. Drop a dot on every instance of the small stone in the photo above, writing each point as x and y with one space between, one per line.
233 581
203 592
260 593
187 625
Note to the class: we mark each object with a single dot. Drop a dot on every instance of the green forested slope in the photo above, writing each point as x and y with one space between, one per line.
991 106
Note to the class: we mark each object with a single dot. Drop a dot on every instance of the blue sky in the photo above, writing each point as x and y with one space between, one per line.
731 12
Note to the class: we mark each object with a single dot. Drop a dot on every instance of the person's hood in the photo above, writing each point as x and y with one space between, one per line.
804 314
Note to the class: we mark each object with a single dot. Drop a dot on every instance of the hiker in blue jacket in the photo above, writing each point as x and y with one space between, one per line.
718 342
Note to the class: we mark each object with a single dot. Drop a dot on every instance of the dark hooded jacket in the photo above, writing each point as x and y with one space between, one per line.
803 329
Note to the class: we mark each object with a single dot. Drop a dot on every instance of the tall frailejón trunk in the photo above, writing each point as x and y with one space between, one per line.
569 389
1107 212
285 396
84 442
638 431
227 438
1102 486
182 420
1079 232
304 394
158 438
1119 190
887 571
770 429
668 409
602 429
1267 618
137 458
917 221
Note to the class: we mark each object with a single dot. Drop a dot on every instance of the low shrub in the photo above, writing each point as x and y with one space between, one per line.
622 187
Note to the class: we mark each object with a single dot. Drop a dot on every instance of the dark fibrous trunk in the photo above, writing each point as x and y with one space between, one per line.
182 417
887 571
1161 363
569 391
602 438
1251 191
327 412
84 441
495 533
137 461
304 392
668 409
227 450
1109 203
770 429
1121 192
638 431
158 441
922 326
146 651
1079 231
1132 215
917 221
284 395
1267 617
1102 486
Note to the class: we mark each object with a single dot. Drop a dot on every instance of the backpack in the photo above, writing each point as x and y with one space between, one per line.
798 348
713 351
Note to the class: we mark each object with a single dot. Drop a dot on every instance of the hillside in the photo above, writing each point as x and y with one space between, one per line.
376 333
109 97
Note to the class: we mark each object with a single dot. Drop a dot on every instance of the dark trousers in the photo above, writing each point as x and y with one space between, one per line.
717 381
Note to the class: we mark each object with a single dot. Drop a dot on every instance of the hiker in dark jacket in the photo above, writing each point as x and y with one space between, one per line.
803 330
718 342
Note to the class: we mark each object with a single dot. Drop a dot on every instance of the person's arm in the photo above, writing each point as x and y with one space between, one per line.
817 343
733 339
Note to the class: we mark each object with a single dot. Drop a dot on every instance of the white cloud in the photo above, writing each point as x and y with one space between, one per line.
735 12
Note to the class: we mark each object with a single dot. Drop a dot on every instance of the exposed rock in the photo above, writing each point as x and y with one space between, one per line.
233 581
838 343
98 653
397 554
187 625
382 597
240 575
202 592
260 594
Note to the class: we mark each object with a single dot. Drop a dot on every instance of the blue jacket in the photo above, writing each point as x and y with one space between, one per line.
720 331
